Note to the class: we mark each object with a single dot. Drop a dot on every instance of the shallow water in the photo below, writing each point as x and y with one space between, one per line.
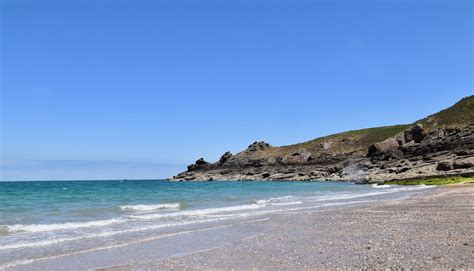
48 220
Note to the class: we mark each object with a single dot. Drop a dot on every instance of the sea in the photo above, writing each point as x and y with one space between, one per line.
56 224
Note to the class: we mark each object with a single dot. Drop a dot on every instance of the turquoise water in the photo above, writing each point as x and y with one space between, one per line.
48 219
73 201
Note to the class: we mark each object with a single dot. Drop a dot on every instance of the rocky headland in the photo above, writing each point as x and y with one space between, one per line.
439 145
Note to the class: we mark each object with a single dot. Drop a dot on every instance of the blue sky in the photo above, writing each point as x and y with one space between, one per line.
139 89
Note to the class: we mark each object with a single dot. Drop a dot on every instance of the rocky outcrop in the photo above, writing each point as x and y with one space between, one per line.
389 149
418 151
439 153
444 166
199 164
416 134
225 157
258 146
383 148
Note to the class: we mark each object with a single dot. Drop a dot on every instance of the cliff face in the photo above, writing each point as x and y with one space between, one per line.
441 144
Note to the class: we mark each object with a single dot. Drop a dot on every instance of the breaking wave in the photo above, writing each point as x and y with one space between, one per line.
150 207
57 226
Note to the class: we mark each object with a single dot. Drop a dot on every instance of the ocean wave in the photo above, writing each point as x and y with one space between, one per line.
57 226
201 212
380 185
53 241
150 207
108 247
272 200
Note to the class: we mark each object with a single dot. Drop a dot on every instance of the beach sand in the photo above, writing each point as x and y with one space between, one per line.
425 231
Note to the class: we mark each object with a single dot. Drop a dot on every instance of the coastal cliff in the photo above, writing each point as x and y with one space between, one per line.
437 146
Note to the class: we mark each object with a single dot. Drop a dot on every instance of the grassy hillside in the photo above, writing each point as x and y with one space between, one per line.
459 115
351 140
346 142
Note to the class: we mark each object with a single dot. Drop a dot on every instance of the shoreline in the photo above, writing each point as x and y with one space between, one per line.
433 229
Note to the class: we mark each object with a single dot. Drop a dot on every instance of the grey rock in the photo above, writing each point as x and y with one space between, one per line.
409 144
415 133
192 167
326 145
382 147
444 166
258 146
463 165
225 157
435 155
201 162
393 154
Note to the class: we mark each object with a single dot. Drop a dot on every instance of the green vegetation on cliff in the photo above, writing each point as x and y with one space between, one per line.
457 116
354 140
432 181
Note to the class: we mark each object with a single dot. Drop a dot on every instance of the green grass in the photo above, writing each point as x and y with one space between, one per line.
459 115
358 141
354 140
432 181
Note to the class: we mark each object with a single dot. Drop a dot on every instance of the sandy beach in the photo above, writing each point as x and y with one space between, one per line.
425 231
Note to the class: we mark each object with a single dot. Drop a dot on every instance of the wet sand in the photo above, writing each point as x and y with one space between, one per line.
425 231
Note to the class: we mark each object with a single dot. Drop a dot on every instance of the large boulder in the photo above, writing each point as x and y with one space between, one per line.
415 133
192 167
379 148
400 139
225 157
444 166
199 164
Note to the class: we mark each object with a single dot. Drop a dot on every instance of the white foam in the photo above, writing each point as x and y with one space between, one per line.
102 234
380 185
59 226
150 207
272 200
25 262
201 212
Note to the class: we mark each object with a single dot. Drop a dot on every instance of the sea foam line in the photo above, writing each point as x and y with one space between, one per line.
388 190
59 226
215 214
104 234
375 185
272 200
201 212
216 217
24 262
150 207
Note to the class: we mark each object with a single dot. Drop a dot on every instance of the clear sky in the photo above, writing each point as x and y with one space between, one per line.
139 89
